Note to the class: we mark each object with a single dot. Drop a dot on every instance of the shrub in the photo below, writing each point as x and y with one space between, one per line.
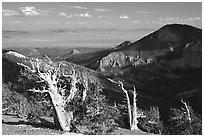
17 104
95 113
151 123
14 103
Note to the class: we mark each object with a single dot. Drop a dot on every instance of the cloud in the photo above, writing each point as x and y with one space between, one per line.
43 12
178 20
101 10
62 14
8 12
65 15
23 22
145 12
17 22
163 21
108 23
29 10
82 23
124 17
193 19
87 15
69 16
80 7
52 22
65 6
170 19
33 11
136 22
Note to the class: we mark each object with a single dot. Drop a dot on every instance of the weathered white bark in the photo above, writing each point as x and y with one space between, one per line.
134 113
188 111
62 118
128 103
73 89
85 89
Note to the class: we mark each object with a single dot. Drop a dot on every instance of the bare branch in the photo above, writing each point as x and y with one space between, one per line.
38 90
48 58
128 103
57 70
33 66
122 86
41 81
134 89
65 75
4 109
113 81
85 89
44 101
187 109
21 64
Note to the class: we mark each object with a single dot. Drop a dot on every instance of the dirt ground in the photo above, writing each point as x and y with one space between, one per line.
13 125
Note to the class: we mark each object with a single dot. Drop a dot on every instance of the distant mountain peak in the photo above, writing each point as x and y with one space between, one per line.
74 51
170 35
123 44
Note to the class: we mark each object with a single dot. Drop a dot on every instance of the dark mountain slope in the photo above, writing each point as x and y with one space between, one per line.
173 35
169 38
165 65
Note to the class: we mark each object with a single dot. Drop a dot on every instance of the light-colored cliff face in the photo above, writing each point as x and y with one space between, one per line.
112 63
74 51
114 59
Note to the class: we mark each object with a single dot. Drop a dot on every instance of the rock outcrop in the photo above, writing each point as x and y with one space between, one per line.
74 51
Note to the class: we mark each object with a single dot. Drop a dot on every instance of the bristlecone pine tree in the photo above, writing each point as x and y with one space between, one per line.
51 75
134 113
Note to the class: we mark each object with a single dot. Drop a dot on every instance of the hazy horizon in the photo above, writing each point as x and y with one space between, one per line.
89 24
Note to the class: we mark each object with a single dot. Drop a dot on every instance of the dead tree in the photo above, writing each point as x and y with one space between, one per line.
134 113
128 103
187 111
51 75
85 83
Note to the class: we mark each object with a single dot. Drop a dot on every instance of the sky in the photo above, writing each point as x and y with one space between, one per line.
123 15
94 16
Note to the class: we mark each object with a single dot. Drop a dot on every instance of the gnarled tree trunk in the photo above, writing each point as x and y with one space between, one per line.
62 118
134 113
50 76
